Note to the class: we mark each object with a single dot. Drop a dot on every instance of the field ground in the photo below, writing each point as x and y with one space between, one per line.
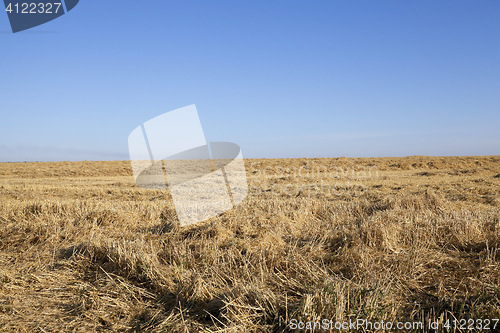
83 249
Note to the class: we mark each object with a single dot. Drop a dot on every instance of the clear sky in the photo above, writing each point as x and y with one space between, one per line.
279 78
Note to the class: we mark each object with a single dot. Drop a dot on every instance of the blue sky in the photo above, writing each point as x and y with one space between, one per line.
279 78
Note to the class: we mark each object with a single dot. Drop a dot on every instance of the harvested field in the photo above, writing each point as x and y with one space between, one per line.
83 249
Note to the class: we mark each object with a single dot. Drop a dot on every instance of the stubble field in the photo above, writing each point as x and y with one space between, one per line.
83 249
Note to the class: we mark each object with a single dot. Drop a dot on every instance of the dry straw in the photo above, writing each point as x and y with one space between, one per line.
82 249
